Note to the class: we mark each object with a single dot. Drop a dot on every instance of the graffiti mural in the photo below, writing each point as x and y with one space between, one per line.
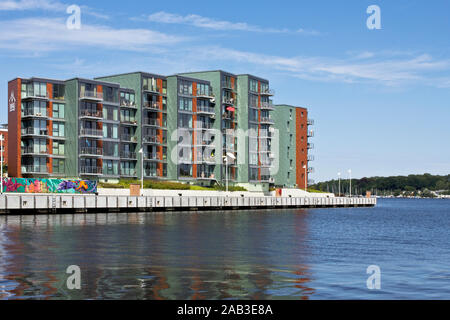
21 185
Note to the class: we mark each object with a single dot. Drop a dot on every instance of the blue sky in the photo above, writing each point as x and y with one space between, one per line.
380 98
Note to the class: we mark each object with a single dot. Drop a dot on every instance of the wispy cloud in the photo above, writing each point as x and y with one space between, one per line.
214 24
46 5
51 34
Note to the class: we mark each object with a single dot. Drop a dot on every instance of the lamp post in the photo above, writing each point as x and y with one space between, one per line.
306 178
2 138
231 156
141 151
350 175
339 183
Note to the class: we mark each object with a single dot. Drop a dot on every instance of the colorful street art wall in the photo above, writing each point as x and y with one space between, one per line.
20 185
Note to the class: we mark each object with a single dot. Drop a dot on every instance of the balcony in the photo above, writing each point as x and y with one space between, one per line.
152 140
267 120
34 170
128 155
151 156
227 85
34 132
267 105
310 122
205 175
128 138
30 151
203 126
127 104
311 158
205 110
310 133
310 170
91 133
153 106
91 95
208 95
31 95
151 122
128 173
267 92
91 151
129 122
93 114
310 145
31 113
151 89
229 101
91 170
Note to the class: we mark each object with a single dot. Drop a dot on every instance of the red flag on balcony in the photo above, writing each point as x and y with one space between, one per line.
231 109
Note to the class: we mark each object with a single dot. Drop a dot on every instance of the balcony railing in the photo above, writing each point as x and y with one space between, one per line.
227 85
34 132
310 122
127 103
206 110
35 169
35 113
91 151
267 120
268 92
208 94
91 132
30 95
151 122
152 139
204 126
128 155
128 173
311 158
91 95
131 122
128 138
310 133
33 151
310 170
91 113
91 170
229 101
151 156
152 105
154 89
310 145
267 105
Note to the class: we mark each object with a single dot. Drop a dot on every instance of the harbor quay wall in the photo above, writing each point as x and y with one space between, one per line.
15 204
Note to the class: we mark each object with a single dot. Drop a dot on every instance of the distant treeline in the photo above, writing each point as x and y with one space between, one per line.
388 185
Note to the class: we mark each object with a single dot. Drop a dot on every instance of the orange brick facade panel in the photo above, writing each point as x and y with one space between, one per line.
14 127
301 151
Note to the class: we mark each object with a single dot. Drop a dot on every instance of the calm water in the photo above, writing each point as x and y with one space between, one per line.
283 254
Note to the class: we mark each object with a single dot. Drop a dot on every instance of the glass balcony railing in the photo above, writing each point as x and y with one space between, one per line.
310 122
151 122
267 91
267 105
91 151
91 113
29 94
128 138
91 95
128 172
34 151
34 169
34 132
150 156
91 132
91 170
207 110
268 120
127 103
128 155
34 113
152 105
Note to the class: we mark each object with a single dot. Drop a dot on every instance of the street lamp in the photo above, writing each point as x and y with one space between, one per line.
141 151
225 158
306 178
339 183
350 174
2 138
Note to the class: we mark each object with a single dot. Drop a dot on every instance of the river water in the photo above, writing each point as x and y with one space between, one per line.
267 254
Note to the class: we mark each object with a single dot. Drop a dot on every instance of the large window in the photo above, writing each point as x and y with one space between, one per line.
58 110
58 129
111 167
58 166
58 148
185 104
110 113
127 99
128 168
128 115
203 89
110 131
110 94
150 84
185 170
253 85
58 91
184 121
110 149
35 108
185 87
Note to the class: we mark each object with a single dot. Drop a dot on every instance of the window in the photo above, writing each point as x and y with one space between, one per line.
288 175
110 113
253 85
150 84
110 131
36 108
110 94
110 167
253 158
58 110
110 149
253 174
58 91
253 115
184 121
58 129
58 166
185 104
290 114
203 89
127 99
127 115
185 87
40 89
185 170
128 168
164 83
264 87
253 101
58 148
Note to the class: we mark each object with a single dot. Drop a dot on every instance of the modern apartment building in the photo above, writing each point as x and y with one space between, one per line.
186 126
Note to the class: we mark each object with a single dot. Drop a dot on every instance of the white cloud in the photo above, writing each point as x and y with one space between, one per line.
209 23
51 34
51 5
